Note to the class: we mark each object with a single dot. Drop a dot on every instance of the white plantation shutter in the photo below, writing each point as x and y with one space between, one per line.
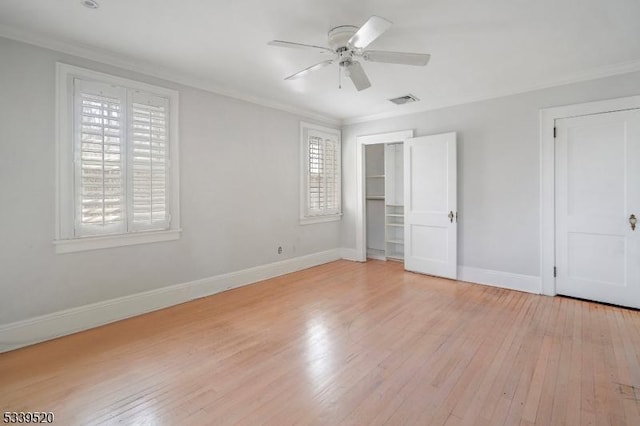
121 152
148 162
332 175
99 158
315 188
323 174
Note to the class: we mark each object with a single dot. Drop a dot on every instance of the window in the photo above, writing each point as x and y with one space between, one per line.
321 180
117 147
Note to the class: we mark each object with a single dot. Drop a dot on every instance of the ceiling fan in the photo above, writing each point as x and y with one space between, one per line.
347 43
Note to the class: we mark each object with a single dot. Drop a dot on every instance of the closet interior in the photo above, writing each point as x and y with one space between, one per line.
384 165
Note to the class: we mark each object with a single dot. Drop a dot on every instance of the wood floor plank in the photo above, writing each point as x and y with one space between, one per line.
624 375
587 377
343 343
497 403
533 347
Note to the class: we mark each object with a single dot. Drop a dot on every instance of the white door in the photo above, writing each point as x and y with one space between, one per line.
597 191
430 237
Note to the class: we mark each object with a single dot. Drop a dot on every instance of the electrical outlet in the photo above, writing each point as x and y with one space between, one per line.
279 249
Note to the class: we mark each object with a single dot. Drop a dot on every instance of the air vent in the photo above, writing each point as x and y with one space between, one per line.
404 99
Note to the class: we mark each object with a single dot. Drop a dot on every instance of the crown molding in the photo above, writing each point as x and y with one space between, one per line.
594 74
153 70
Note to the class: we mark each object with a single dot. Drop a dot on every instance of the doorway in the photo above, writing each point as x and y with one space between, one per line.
419 210
384 180
362 176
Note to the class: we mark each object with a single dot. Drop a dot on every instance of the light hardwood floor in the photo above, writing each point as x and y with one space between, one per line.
343 343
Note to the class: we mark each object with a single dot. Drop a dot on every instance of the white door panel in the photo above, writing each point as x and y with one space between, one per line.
430 200
597 189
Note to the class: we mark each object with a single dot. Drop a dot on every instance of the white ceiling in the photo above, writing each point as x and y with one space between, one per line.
480 49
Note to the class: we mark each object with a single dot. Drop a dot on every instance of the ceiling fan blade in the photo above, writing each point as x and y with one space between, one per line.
358 76
280 43
310 69
371 30
419 59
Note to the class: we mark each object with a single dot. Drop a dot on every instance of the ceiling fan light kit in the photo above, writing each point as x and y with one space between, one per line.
347 44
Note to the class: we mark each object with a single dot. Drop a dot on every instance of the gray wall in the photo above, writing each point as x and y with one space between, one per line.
239 171
498 169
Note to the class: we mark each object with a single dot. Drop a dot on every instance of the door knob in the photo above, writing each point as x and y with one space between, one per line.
632 221
450 215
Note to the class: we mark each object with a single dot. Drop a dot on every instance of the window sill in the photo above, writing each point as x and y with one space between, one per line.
108 241
320 219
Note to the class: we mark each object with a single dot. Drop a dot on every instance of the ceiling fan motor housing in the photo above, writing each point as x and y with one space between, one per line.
340 36
339 39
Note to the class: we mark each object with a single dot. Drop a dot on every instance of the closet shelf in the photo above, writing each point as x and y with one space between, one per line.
395 241
396 224
395 215
375 176
375 197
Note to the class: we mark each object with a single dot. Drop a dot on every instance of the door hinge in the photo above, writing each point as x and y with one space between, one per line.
555 272
555 132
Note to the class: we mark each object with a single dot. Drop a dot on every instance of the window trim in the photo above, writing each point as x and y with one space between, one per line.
65 241
305 217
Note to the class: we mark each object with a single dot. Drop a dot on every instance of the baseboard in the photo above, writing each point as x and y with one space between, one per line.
376 254
526 283
34 330
351 254
213 285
